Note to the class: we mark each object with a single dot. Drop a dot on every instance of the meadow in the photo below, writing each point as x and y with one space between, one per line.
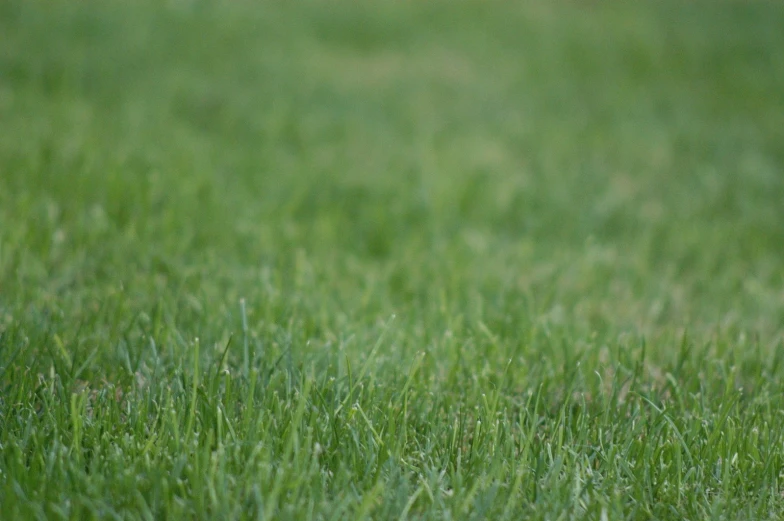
391 260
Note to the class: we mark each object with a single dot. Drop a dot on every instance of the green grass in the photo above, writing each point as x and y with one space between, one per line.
391 260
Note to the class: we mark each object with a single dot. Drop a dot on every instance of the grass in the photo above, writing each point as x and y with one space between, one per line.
446 260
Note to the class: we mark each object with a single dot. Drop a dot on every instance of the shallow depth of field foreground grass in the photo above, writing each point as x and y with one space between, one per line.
391 260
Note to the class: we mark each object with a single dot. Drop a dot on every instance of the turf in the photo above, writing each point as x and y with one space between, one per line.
391 260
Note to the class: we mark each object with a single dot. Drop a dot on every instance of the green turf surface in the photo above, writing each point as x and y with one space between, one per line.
391 260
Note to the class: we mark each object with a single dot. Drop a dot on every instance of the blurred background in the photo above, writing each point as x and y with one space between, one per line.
604 168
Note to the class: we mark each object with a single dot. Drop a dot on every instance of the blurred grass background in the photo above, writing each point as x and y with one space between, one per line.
621 163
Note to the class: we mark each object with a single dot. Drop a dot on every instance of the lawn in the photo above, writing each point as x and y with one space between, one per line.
391 260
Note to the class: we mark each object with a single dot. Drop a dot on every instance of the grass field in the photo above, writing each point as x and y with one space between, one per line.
391 260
